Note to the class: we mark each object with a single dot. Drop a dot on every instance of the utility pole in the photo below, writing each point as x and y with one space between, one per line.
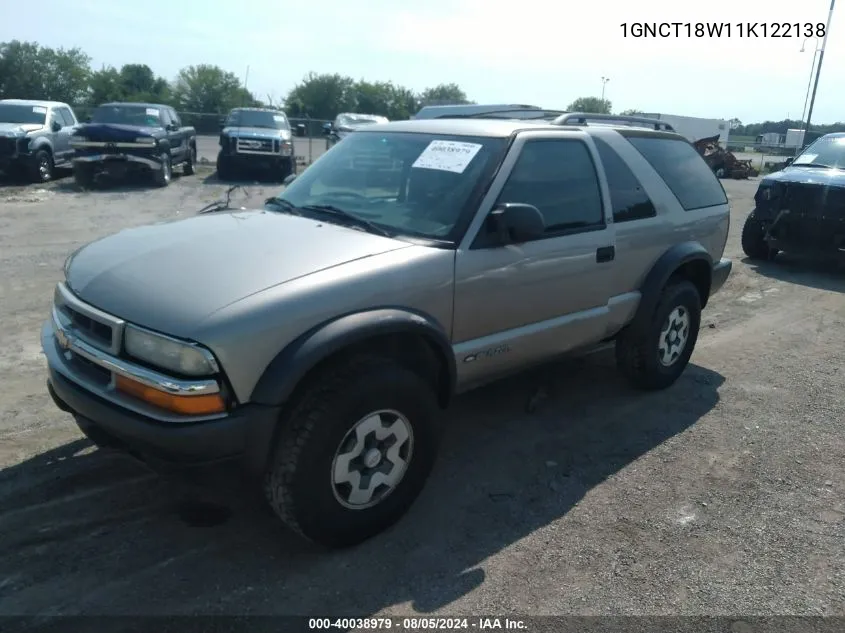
818 72
604 81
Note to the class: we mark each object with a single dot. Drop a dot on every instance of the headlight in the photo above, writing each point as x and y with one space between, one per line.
167 353
77 139
145 140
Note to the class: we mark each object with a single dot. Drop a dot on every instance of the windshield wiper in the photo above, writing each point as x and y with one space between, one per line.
350 218
284 205
815 165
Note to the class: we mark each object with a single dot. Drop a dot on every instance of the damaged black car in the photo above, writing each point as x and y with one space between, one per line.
130 137
801 209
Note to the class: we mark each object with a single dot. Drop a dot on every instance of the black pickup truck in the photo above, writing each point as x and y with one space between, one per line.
120 137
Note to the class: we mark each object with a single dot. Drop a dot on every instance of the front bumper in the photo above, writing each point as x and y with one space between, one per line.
243 434
720 274
123 158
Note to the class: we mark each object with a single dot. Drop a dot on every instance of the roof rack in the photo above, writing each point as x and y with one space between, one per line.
540 114
581 118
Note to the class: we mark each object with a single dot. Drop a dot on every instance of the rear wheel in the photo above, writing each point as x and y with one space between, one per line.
653 357
753 239
355 452
164 173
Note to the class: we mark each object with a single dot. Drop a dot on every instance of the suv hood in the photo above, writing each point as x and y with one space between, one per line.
255 132
18 128
809 176
172 275
117 132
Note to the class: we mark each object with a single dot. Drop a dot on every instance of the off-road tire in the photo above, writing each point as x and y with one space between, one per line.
637 348
83 175
42 168
298 481
188 165
164 174
754 239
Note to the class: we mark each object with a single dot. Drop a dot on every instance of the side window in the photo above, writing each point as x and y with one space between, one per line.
559 178
629 199
65 117
683 169
165 117
174 117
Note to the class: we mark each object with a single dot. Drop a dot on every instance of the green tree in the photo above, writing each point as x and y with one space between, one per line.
443 94
593 105
631 112
104 86
133 82
30 71
322 96
207 88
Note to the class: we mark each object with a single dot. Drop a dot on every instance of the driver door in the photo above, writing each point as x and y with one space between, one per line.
518 304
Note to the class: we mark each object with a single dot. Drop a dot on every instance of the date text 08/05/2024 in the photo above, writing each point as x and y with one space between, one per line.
723 29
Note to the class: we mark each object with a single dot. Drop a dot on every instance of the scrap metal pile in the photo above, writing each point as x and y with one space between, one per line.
723 163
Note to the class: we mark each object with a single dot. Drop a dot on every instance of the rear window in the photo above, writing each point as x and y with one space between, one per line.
683 169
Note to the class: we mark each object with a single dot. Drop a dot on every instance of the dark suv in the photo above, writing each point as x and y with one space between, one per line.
802 207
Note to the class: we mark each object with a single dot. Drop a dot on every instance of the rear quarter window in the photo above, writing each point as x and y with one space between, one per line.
683 170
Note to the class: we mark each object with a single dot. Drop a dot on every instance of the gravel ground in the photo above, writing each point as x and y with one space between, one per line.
722 495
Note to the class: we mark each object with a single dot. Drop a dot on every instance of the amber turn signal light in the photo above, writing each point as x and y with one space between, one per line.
205 404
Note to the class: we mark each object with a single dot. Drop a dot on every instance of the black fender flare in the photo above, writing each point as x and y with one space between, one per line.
662 270
40 143
284 372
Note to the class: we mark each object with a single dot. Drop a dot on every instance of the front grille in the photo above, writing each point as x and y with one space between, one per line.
98 333
255 145
812 200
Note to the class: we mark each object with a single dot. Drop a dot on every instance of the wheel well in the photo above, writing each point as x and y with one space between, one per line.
698 272
411 350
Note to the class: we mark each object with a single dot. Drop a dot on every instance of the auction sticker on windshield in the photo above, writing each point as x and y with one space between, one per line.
278 118
152 111
451 156
39 109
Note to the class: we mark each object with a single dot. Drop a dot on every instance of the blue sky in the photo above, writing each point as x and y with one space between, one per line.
544 52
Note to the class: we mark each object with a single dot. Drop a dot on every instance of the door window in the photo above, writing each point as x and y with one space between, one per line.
558 177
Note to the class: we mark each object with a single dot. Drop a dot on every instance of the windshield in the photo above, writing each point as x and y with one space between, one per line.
826 152
141 116
14 113
359 119
419 185
257 118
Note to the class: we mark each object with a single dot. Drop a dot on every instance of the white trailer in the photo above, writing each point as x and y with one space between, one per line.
794 138
695 128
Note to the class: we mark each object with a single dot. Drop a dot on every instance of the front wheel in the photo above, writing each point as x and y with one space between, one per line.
285 168
190 163
83 174
355 452
164 173
42 166
654 356
753 239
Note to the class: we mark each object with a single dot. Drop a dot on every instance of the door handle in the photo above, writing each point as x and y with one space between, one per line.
605 254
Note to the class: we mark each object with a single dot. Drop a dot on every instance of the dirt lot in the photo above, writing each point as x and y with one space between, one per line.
722 495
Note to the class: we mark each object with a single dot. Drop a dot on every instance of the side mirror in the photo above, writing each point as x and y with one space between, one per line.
173 127
788 161
88 119
222 123
289 180
515 222
56 126
327 128
300 129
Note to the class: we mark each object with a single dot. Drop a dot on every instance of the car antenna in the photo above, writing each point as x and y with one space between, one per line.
222 205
